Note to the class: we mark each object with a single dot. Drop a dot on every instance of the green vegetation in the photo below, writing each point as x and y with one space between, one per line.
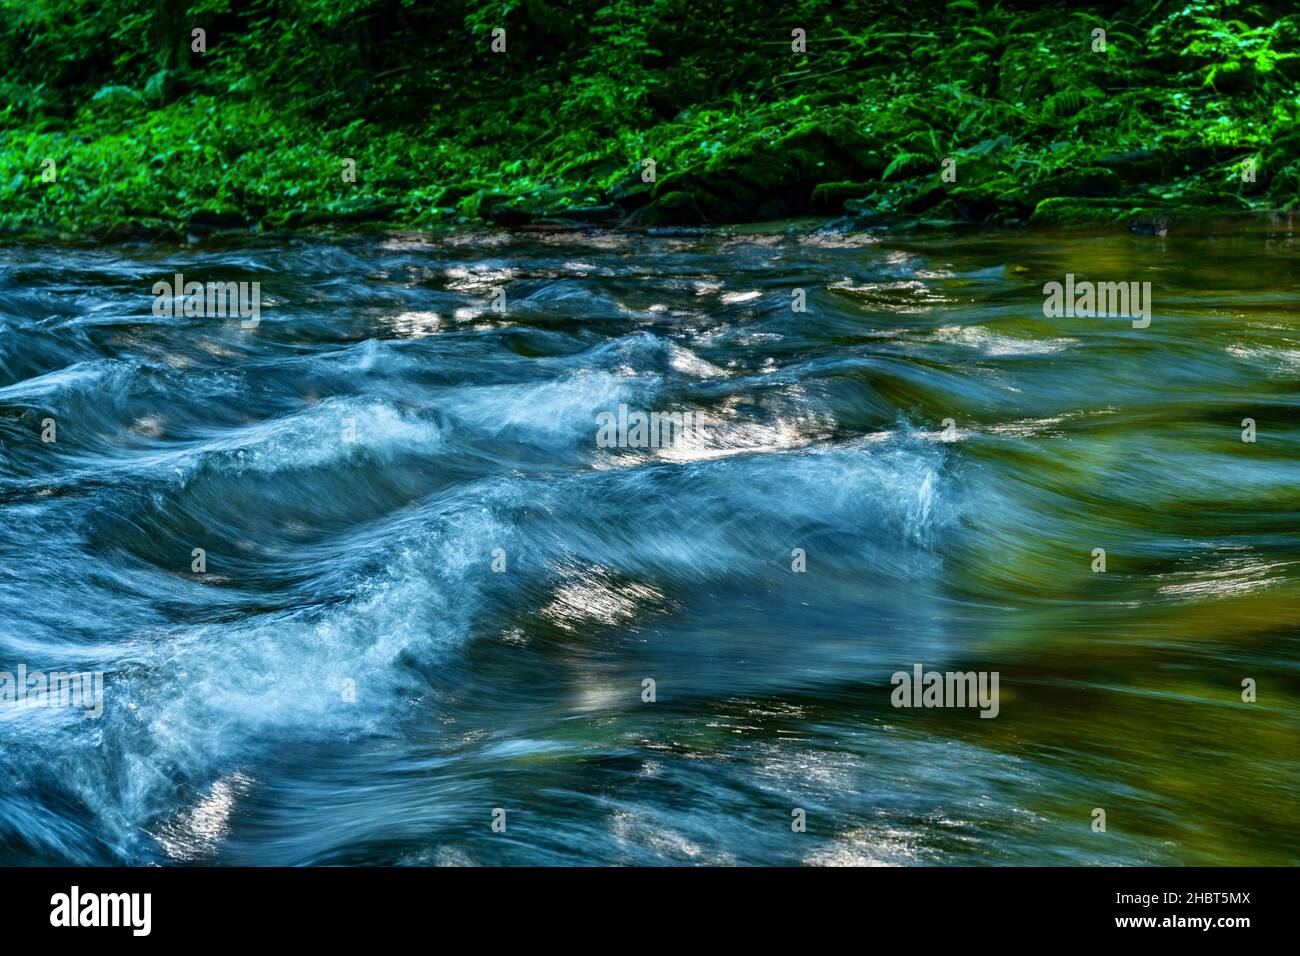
148 136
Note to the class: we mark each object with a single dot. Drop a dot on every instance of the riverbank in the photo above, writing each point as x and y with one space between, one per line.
1264 226
1142 118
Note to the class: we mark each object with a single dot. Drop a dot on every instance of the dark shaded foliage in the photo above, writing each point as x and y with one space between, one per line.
146 133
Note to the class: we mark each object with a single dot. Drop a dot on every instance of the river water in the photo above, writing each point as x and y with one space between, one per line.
429 593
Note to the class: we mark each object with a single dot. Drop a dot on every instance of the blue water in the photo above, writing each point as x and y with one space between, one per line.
230 734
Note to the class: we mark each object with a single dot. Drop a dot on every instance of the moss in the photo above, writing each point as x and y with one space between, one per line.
671 209
1090 181
762 178
1137 215
830 197
480 203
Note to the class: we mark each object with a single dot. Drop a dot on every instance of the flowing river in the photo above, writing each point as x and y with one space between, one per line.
360 575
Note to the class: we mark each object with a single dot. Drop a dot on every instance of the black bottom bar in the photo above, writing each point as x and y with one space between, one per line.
336 905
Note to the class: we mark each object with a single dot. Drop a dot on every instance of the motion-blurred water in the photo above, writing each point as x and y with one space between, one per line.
229 734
